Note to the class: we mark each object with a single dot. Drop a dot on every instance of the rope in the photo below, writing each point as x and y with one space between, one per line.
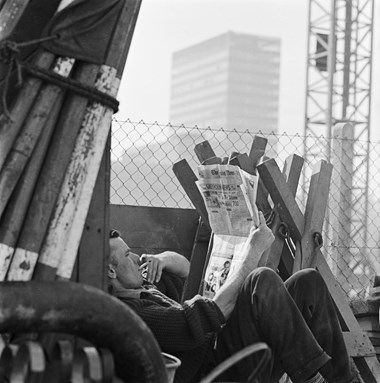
9 55
75 86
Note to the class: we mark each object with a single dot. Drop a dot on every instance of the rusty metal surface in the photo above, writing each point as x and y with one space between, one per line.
64 307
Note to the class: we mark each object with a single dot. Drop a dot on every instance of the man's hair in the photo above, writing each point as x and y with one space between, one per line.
115 233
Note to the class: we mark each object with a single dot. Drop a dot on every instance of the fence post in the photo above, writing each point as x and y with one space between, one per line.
341 202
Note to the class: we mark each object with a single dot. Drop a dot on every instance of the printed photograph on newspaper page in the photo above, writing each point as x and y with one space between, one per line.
229 194
224 258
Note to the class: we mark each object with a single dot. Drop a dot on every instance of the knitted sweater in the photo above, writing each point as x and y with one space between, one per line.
186 331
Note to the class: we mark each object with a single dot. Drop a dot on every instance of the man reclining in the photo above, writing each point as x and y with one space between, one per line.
296 319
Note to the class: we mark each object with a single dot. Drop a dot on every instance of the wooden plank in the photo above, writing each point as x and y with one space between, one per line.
76 190
347 317
369 369
53 171
28 137
272 176
368 366
10 128
262 202
187 179
279 254
94 246
282 196
91 144
73 202
10 14
292 171
16 210
198 261
370 323
315 209
257 151
357 342
205 153
242 160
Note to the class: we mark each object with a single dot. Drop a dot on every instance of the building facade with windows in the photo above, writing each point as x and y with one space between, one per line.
230 81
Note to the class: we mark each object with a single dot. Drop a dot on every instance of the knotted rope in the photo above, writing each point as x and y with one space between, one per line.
9 55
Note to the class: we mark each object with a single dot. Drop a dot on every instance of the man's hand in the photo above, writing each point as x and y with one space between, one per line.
151 267
261 238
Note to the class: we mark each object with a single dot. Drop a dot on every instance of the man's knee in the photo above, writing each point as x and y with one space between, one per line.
308 276
306 281
262 278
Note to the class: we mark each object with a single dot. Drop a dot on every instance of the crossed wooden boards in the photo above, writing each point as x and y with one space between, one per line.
301 228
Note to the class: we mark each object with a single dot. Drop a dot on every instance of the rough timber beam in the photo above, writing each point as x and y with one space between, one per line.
357 341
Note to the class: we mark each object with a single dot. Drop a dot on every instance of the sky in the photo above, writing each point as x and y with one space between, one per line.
165 26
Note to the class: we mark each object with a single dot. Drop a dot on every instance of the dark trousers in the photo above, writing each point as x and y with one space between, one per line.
298 322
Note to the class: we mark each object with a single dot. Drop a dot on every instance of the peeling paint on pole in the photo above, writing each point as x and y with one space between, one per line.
27 140
23 263
6 253
18 269
74 199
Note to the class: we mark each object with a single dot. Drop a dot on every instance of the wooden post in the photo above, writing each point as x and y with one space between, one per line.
16 210
76 192
94 247
279 254
358 344
198 261
52 172
257 151
187 179
91 143
66 227
10 14
282 195
205 153
28 138
10 128
315 210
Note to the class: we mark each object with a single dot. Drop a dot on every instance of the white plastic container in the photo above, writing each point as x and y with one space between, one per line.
171 364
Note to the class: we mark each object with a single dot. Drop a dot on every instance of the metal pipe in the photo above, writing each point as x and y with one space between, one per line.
89 313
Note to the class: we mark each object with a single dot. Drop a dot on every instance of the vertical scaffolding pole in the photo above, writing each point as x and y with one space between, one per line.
339 73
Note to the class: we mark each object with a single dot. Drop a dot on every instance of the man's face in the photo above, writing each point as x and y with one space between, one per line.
127 270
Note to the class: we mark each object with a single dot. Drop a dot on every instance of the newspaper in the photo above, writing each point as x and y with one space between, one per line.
230 198
229 194
224 259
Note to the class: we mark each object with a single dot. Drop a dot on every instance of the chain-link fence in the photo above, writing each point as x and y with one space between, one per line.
141 174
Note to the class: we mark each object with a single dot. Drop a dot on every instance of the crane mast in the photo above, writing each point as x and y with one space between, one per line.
338 89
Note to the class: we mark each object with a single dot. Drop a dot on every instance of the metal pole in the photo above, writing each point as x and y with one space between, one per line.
331 59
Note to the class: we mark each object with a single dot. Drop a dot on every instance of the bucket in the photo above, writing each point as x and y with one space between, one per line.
171 364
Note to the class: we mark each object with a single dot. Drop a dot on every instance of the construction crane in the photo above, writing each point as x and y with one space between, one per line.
338 89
